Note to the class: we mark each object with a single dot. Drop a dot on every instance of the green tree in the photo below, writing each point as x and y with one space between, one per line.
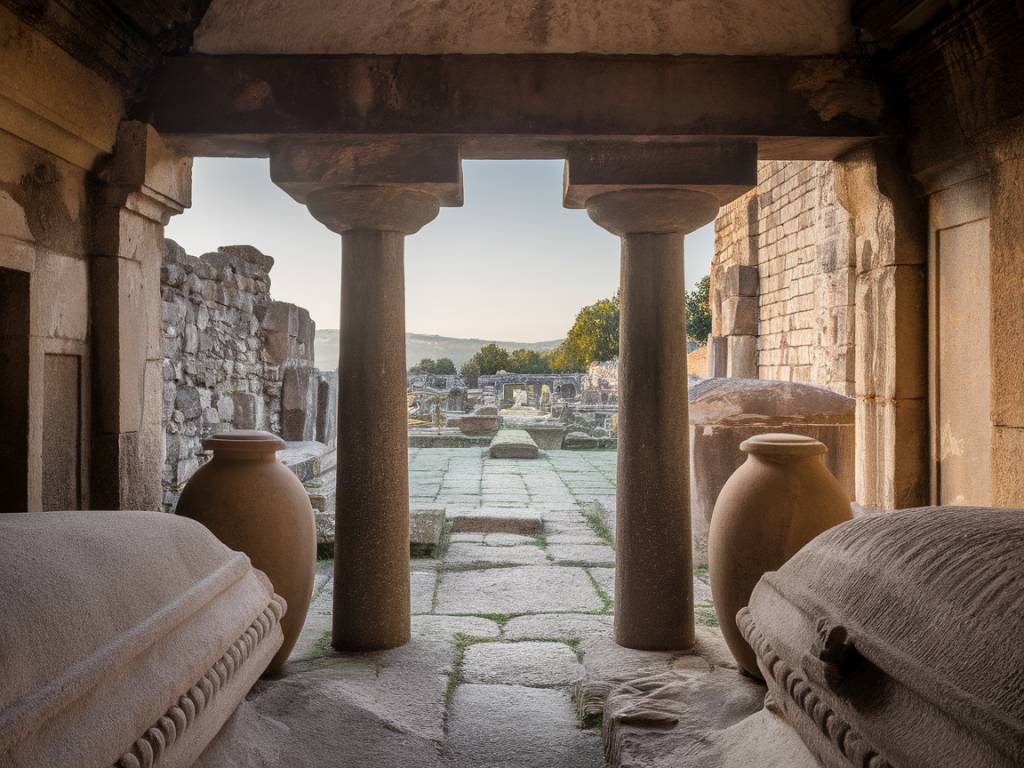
471 372
491 359
527 361
444 367
426 365
698 312
594 336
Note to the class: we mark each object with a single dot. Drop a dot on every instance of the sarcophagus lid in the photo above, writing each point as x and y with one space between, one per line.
898 639
128 638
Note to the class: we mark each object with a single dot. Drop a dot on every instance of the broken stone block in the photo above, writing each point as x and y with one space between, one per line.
478 424
425 528
298 404
513 444
527 521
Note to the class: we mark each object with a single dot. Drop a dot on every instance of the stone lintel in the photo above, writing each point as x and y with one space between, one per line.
429 166
724 170
515 105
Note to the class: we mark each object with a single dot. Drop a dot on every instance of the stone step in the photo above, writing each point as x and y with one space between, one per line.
513 444
522 520
303 458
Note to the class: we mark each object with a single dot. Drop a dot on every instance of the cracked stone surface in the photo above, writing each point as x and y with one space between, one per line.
533 664
499 618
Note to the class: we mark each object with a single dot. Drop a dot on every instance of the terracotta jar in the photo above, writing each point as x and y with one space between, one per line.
778 500
254 504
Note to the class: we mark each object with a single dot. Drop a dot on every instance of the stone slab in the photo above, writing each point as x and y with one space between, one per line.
466 553
557 626
530 663
584 554
518 590
513 444
426 525
493 519
497 726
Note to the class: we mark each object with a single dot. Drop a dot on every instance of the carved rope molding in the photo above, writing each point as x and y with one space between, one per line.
149 749
843 736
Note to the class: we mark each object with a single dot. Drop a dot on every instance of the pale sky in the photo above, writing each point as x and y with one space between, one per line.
511 264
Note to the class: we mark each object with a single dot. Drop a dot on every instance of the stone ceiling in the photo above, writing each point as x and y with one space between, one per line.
735 27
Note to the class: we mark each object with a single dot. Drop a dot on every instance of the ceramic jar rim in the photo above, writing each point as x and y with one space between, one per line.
783 446
249 441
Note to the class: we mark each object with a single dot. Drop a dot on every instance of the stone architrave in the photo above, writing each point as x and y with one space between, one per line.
100 669
651 196
144 184
373 194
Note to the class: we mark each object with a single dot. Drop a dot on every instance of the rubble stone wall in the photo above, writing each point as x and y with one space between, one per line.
793 319
233 357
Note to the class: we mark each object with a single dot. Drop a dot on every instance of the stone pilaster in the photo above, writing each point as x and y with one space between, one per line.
373 196
142 186
651 197
891 364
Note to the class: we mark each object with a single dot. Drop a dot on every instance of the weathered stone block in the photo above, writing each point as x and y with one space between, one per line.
739 316
513 444
298 404
522 520
738 280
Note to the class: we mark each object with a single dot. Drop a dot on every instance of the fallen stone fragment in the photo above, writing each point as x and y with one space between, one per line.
513 444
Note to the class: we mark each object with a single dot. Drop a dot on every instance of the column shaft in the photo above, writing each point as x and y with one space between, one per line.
371 562
653 577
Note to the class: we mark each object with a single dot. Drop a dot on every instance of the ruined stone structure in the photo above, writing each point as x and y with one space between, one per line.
233 359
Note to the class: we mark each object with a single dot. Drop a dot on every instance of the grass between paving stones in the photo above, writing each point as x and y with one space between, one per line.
598 525
605 599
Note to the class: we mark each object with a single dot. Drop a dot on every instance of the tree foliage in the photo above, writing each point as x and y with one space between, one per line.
594 336
698 311
527 361
441 367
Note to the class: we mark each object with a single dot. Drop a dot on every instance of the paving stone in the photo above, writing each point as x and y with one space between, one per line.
499 726
507 539
492 519
461 553
530 663
573 538
587 554
474 538
557 626
423 583
524 589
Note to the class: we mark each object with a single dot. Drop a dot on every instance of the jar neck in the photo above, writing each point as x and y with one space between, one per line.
258 457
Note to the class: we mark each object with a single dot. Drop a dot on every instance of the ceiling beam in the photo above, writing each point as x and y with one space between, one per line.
515 105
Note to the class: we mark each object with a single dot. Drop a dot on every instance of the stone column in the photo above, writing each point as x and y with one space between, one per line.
654 563
373 193
371 549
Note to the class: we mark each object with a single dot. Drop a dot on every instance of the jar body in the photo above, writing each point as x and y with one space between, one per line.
767 511
254 504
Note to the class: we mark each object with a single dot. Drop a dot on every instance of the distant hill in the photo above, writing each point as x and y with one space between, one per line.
420 345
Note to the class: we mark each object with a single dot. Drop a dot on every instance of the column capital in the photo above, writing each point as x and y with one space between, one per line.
652 211
379 208
656 187
392 185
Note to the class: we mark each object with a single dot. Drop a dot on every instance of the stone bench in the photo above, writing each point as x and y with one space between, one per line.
513 444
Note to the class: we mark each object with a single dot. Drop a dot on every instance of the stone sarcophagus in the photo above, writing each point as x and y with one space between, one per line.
128 638
896 640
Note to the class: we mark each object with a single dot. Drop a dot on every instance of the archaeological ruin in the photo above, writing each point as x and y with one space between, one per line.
799 546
